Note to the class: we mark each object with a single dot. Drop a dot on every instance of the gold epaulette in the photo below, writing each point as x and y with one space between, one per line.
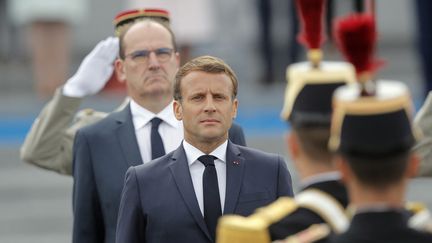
313 233
253 229
421 219
415 207
89 113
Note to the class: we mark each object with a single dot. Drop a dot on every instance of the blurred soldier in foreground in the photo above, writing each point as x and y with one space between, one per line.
373 136
372 133
308 110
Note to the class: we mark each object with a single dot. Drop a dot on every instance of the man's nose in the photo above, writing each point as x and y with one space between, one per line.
210 105
153 62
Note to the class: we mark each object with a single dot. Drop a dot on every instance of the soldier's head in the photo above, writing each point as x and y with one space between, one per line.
373 135
308 109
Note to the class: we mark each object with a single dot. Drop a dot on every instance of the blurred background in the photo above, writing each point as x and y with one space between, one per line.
35 205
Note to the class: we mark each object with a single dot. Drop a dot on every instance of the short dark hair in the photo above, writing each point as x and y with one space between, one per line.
314 142
379 171
143 20
206 64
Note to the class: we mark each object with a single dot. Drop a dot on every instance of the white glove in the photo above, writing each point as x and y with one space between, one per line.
94 71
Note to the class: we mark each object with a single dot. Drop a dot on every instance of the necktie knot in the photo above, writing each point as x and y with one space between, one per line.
156 122
207 160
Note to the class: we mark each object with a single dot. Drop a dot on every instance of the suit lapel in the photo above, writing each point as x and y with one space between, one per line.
180 171
127 138
235 166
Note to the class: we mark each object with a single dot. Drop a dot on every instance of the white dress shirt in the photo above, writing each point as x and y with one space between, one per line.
170 129
196 169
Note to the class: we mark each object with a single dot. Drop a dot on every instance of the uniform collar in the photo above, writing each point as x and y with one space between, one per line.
321 177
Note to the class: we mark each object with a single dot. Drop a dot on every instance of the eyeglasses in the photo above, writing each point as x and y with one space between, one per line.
142 56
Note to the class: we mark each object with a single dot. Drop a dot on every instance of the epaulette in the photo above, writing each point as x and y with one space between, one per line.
254 229
313 233
89 113
328 208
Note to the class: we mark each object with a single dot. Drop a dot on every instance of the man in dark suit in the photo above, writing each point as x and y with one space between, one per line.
180 196
145 129
373 137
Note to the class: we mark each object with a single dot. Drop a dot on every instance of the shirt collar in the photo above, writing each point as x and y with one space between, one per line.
321 177
142 116
192 153
372 208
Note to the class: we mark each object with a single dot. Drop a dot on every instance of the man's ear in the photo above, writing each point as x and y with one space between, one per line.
343 168
235 104
293 145
177 57
119 70
413 165
178 110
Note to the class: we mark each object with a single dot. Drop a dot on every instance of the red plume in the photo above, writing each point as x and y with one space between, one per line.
311 13
356 36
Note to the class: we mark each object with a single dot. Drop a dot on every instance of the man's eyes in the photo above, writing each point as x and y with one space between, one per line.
197 97
219 97
140 54
216 97
163 52
146 53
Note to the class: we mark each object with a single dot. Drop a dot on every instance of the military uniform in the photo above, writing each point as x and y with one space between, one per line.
376 126
308 103
382 226
304 217
50 140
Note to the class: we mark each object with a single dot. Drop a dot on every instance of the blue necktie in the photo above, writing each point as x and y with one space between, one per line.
157 146
212 206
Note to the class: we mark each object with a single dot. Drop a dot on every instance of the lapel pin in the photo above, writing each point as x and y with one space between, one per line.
236 162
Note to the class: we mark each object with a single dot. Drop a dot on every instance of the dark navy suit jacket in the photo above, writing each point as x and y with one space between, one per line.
159 204
102 154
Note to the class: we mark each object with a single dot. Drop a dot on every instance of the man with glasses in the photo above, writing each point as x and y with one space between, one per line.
144 130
